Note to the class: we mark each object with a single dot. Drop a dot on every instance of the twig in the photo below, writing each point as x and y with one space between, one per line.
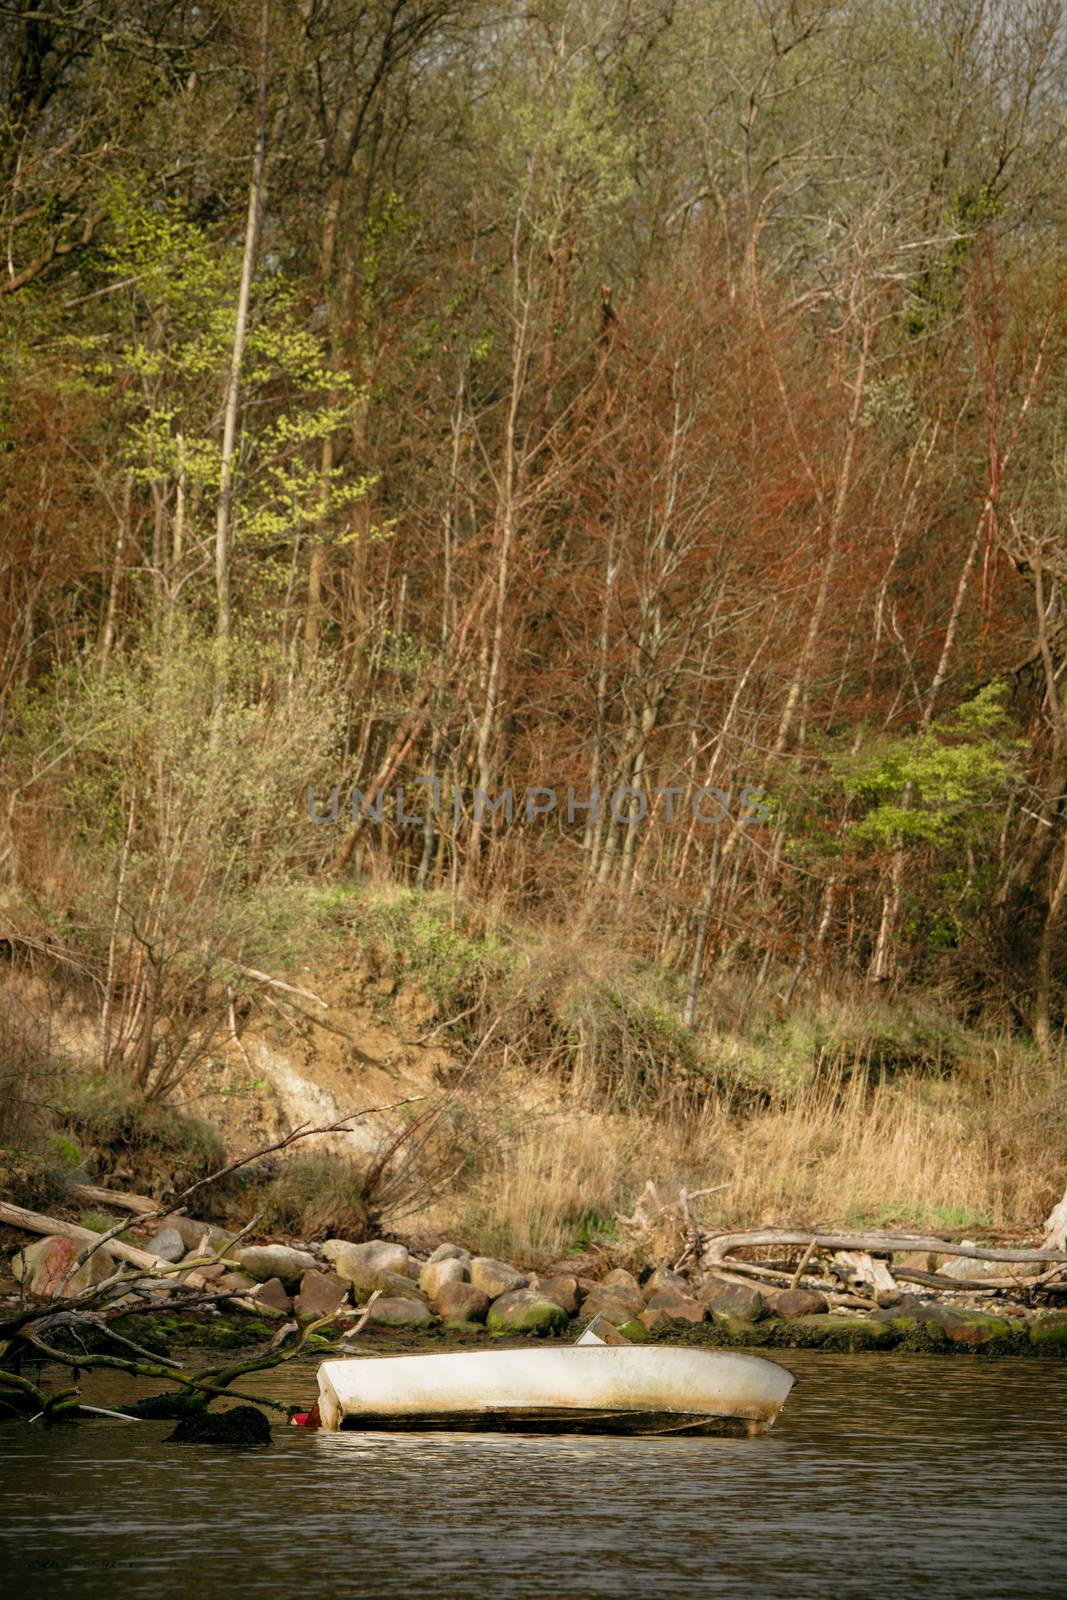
301 1132
102 1411
363 1316
278 983
805 1258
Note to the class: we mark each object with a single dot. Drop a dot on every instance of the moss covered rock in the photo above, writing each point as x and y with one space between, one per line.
836 1331
733 1299
634 1331
525 1311
1048 1335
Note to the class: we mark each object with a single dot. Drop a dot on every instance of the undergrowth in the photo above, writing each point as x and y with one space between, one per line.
131 1143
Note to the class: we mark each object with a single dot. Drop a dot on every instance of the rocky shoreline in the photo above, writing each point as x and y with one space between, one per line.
385 1290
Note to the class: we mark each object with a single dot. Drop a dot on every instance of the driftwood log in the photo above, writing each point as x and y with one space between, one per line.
719 1246
35 1222
138 1204
1056 1226
858 1270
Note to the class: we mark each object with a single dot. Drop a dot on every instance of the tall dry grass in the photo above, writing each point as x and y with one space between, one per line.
984 1149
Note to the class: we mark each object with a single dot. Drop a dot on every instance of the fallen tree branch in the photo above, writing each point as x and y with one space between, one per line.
718 1248
35 1222
142 1369
802 1265
770 1275
278 983
138 1204
333 1027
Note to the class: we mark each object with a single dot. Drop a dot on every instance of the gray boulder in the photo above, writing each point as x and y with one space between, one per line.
495 1277
460 1304
664 1278
619 1278
273 1295
321 1294
435 1273
675 1307
192 1232
235 1283
385 1253
168 1244
264 1261
395 1311
617 1304
794 1303
733 1299
562 1287
449 1252
366 1265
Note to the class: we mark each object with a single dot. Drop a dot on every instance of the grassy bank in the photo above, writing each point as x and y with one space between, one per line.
574 1083
848 1109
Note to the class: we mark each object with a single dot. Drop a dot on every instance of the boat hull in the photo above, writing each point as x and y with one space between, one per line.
595 1389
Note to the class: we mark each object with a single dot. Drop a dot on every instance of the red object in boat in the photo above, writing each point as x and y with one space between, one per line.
307 1419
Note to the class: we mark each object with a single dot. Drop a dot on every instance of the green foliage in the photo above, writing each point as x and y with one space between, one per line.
100 1222
67 1152
168 373
937 786
183 808
637 1050
936 292
412 936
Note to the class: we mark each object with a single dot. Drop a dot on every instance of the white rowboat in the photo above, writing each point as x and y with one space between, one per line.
588 1388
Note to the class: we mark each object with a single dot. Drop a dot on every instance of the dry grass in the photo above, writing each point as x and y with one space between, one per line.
553 1187
915 1152
984 1149
317 1195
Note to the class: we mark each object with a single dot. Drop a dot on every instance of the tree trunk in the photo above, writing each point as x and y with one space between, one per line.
256 191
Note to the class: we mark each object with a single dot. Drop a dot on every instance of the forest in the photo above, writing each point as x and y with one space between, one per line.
571 492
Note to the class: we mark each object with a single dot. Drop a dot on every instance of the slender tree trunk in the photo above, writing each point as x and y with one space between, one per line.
704 922
107 640
256 192
506 512
1043 969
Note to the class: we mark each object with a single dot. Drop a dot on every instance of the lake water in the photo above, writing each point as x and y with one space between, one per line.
885 1475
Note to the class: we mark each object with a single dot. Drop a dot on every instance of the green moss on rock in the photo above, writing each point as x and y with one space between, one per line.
1048 1335
835 1331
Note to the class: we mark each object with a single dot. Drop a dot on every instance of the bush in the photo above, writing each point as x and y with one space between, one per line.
28 1178
142 1144
314 1196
